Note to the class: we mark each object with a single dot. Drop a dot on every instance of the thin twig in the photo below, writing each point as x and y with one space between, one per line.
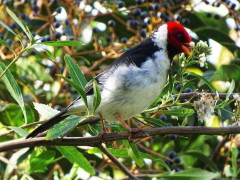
115 161
109 137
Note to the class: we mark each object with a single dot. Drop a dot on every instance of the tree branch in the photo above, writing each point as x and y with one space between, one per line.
114 136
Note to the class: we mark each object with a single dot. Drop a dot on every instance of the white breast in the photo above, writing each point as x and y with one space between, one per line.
130 90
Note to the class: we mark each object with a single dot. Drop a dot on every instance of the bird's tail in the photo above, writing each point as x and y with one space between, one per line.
50 123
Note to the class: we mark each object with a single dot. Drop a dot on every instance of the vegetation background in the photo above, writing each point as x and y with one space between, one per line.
35 37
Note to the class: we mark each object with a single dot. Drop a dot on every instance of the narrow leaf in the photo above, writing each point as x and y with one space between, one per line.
74 156
64 127
96 96
44 110
17 20
75 72
62 43
134 153
8 28
180 112
50 55
81 92
234 161
40 163
19 131
155 122
13 89
203 158
9 47
231 89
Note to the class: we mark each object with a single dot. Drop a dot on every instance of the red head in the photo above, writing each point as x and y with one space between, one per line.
178 39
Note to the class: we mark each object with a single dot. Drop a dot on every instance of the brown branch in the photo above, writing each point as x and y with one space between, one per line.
109 137
115 161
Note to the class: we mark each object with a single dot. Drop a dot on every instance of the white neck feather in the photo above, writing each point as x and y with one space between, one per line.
160 37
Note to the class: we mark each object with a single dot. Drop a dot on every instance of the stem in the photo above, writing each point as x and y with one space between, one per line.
14 60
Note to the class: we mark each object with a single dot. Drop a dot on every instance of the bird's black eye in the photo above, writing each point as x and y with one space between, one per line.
180 37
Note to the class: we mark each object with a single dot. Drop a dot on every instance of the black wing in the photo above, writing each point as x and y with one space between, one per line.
136 56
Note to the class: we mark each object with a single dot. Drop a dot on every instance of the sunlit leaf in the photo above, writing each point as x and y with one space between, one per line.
74 156
13 88
96 96
62 43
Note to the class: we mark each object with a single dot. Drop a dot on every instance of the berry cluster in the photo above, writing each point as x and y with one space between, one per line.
174 160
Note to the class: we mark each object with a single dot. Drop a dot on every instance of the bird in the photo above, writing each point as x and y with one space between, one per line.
134 80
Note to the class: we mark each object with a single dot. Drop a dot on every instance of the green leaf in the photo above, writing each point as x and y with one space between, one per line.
227 73
205 80
13 89
44 110
50 55
81 92
74 72
124 154
204 158
64 127
231 89
9 47
62 43
180 112
74 156
134 153
190 174
155 122
96 96
32 70
8 28
17 20
234 161
19 131
40 163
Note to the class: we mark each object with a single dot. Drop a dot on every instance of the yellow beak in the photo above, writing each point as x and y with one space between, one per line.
186 50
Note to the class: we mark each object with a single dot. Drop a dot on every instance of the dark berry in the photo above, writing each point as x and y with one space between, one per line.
183 100
163 117
33 53
218 4
217 16
178 18
185 21
169 124
26 1
57 24
168 163
151 8
47 38
109 38
166 18
14 25
187 90
209 15
9 42
35 8
177 169
33 34
35 2
172 154
172 136
124 40
143 33
177 160
149 0
134 23
144 14
58 35
233 6
137 12
1 36
111 23
178 87
121 4
96 30
237 28
162 15
6 3
23 16
71 38
55 19
144 24
148 20
59 10
58 107
139 1
67 22
207 2
156 7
